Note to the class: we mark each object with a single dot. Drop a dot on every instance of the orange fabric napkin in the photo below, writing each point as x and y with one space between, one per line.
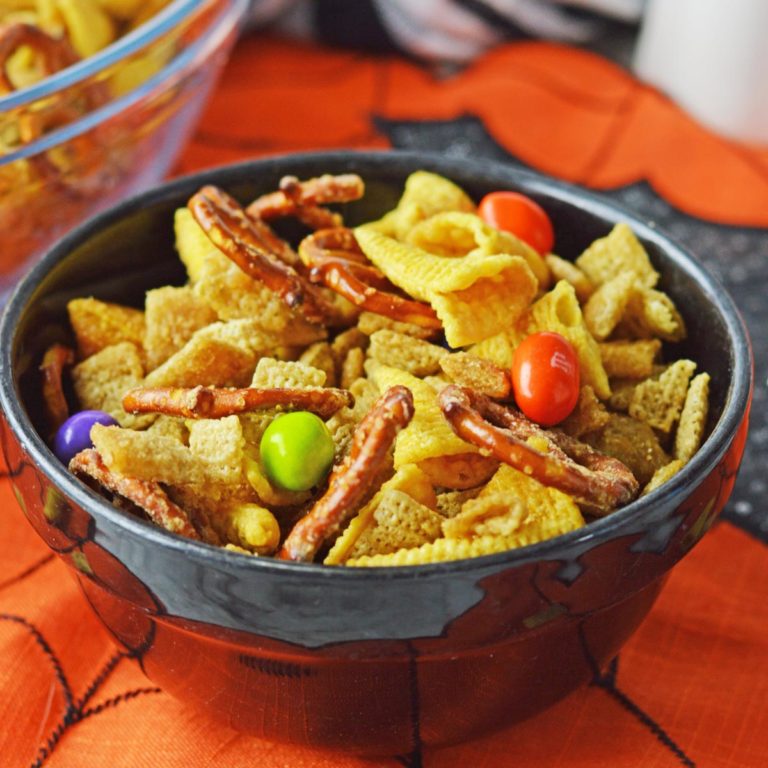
564 111
688 689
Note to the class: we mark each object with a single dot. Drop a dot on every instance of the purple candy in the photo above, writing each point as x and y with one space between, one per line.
74 434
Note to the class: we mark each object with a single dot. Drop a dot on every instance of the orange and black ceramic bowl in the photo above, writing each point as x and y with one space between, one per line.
379 660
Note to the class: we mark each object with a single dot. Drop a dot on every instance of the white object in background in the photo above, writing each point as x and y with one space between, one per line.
711 56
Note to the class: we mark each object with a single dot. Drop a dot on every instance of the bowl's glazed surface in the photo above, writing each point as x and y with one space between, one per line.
371 660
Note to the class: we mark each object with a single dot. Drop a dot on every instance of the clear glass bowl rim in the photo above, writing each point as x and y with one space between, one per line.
160 24
172 15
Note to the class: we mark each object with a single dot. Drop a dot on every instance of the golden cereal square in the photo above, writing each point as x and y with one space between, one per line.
320 356
233 295
398 521
279 373
219 442
469 370
629 359
410 481
693 418
99 324
620 251
370 322
450 503
352 367
198 254
101 381
206 361
589 415
150 456
632 442
397 350
659 401
172 317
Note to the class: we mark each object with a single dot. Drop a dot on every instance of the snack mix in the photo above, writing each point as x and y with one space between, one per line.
45 188
423 387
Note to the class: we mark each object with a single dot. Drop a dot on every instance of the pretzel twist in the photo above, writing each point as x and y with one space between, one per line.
215 403
597 482
250 244
336 261
351 480
55 52
304 199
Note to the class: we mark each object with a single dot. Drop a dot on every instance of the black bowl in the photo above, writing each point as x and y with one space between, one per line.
371 660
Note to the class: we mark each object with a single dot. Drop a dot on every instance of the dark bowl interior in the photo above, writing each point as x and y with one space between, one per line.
368 660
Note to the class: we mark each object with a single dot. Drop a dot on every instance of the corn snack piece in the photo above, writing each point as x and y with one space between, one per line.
474 296
429 434
561 269
425 195
253 527
408 481
662 474
549 513
493 514
605 307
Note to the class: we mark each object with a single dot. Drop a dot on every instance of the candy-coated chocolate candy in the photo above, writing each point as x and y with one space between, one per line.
297 451
74 434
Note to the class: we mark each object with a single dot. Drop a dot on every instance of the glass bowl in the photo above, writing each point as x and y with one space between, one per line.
106 127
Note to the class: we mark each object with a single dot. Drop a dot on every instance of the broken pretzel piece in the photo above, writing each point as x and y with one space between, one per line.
351 480
147 495
304 199
56 358
597 482
215 403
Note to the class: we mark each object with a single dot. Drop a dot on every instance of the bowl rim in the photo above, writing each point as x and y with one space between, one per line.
161 23
139 38
630 518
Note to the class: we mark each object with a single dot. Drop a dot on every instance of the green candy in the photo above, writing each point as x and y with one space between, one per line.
297 451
